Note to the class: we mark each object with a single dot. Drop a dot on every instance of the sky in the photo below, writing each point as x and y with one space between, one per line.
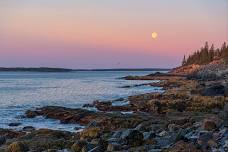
107 33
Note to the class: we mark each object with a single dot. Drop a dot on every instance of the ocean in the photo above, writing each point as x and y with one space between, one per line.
20 91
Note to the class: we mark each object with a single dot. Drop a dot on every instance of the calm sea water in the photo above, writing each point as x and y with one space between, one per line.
20 91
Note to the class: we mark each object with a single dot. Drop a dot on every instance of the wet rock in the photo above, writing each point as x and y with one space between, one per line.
92 124
210 124
120 99
180 121
44 139
30 114
166 141
226 115
163 133
226 90
149 135
9 134
204 137
113 147
100 146
64 150
52 150
28 128
108 106
225 146
111 121
149 138
173 127
79 146
132 137
144 126
117 134
78 128
2 140
17 147
212 144
213 90
88 105
182 146
14 124
90 133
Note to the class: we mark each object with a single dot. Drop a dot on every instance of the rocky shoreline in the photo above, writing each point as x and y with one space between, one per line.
183 118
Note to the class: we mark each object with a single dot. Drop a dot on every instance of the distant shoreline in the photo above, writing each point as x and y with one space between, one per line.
41 69
46 69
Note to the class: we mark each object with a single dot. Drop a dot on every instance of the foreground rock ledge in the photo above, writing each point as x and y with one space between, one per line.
180 119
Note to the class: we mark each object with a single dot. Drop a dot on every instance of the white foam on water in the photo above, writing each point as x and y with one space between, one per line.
20 91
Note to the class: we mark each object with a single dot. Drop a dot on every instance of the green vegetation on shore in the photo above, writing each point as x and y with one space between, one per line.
206 55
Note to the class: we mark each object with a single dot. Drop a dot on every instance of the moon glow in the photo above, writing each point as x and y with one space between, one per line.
154 35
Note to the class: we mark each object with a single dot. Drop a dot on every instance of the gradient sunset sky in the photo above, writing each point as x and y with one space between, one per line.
107 33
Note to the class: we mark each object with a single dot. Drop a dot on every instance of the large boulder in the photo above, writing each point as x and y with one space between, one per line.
79 146
209 125
212 123
132 137
17 147
93 132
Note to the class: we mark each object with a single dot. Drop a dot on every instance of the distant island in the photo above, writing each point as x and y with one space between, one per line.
47 69
41 69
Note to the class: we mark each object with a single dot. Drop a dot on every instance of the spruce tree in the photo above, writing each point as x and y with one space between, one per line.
184 61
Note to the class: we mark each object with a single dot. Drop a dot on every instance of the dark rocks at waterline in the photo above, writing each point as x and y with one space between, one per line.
28 128
107 106
104 120
14 124
31 114
65 115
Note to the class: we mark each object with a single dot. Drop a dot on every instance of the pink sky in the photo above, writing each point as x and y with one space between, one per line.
107 34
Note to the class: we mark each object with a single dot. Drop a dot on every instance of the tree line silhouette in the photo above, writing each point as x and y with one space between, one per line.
207 54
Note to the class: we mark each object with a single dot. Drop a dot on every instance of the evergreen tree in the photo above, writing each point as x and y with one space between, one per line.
206 55
184 61
211 53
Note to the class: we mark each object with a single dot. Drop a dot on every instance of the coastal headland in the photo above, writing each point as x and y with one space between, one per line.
182 118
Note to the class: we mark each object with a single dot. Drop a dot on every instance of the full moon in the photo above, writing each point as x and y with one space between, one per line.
154 35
